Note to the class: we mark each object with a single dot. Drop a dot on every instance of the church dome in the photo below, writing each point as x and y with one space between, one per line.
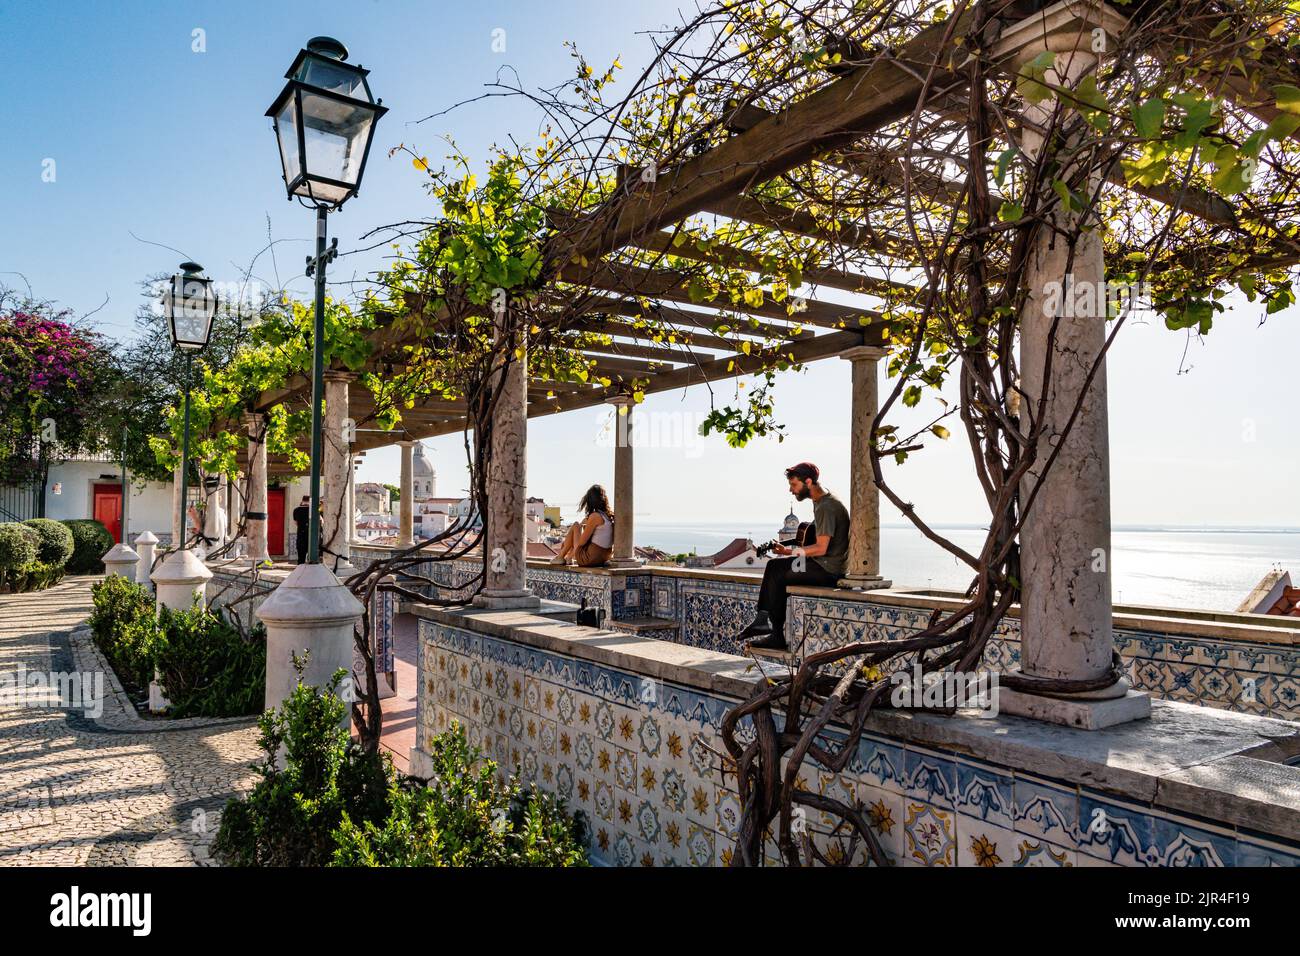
420 466
791 525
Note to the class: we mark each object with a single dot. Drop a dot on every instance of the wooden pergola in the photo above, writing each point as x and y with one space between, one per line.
841 129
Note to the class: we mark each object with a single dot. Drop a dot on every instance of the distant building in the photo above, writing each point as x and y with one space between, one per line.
1274 594
373 498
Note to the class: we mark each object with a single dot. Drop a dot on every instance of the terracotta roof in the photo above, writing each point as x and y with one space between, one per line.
737 547
539 549
1288 605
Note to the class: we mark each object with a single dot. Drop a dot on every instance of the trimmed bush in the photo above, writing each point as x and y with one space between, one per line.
56 542
18 548
90 541
207 668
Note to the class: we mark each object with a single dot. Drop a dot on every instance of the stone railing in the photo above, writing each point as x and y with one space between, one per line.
1244 662
627 730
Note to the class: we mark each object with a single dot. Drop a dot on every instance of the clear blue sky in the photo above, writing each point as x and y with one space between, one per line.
151 138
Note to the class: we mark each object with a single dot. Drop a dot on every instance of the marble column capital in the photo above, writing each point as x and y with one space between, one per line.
338 375
862 353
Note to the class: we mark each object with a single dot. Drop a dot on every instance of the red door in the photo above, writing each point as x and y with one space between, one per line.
108 509
275 521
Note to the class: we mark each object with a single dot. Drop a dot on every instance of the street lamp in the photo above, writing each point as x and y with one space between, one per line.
191 305
324 120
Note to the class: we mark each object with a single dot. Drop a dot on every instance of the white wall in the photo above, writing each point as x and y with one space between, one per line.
148 506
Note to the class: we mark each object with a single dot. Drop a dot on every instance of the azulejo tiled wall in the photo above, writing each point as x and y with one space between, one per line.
642 758
1252 678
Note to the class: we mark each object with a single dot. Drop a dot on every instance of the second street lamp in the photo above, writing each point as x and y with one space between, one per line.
324 120
190 304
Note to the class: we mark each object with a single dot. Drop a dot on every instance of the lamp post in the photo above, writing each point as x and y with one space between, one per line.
324 120
191 305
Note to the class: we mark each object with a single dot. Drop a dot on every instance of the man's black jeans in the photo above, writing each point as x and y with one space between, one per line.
780 575
301 535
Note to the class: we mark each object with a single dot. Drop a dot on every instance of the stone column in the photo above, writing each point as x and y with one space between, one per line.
507 483
179 517
405 504
624 555
310 613
255 507
121 560
350 530
145 544
862 570
1065 616
214 512
335 474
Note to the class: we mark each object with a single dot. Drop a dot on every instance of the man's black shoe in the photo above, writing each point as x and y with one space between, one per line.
772 642
757 627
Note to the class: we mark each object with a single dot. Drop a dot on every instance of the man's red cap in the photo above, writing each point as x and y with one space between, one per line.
805 470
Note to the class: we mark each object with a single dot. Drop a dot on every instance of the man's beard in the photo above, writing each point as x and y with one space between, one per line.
803 494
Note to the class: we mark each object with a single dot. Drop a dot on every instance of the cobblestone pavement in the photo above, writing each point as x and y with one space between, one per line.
102 788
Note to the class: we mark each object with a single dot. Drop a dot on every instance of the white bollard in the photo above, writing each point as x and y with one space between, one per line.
178 580
145 543
310 611
121 560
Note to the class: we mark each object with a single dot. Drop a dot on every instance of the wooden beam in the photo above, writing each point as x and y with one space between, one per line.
631 280
863 100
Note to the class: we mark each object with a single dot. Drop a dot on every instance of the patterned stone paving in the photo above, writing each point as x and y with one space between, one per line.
110 789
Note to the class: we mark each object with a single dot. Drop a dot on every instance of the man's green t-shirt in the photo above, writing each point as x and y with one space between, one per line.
830 517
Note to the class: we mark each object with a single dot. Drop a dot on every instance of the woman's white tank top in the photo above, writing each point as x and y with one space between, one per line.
603 536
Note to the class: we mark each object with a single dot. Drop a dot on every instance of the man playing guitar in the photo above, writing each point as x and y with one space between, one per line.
820 564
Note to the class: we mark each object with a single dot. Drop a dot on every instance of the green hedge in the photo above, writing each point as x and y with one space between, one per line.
205 667
19 546
90 541
330 803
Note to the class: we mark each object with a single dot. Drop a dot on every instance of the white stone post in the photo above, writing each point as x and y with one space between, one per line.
310 614
179 582
862 569
336 433
506 584
624 553
121 560
1065 616
145 543
406 504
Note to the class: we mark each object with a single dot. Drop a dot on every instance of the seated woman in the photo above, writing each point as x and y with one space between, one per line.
592 542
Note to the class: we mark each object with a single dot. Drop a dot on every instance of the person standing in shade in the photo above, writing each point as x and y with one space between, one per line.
300 516
817 565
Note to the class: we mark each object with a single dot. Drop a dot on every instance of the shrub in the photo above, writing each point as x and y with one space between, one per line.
90 541
332 803
56 542
207 668
18 549
465 816
126 629
290 816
